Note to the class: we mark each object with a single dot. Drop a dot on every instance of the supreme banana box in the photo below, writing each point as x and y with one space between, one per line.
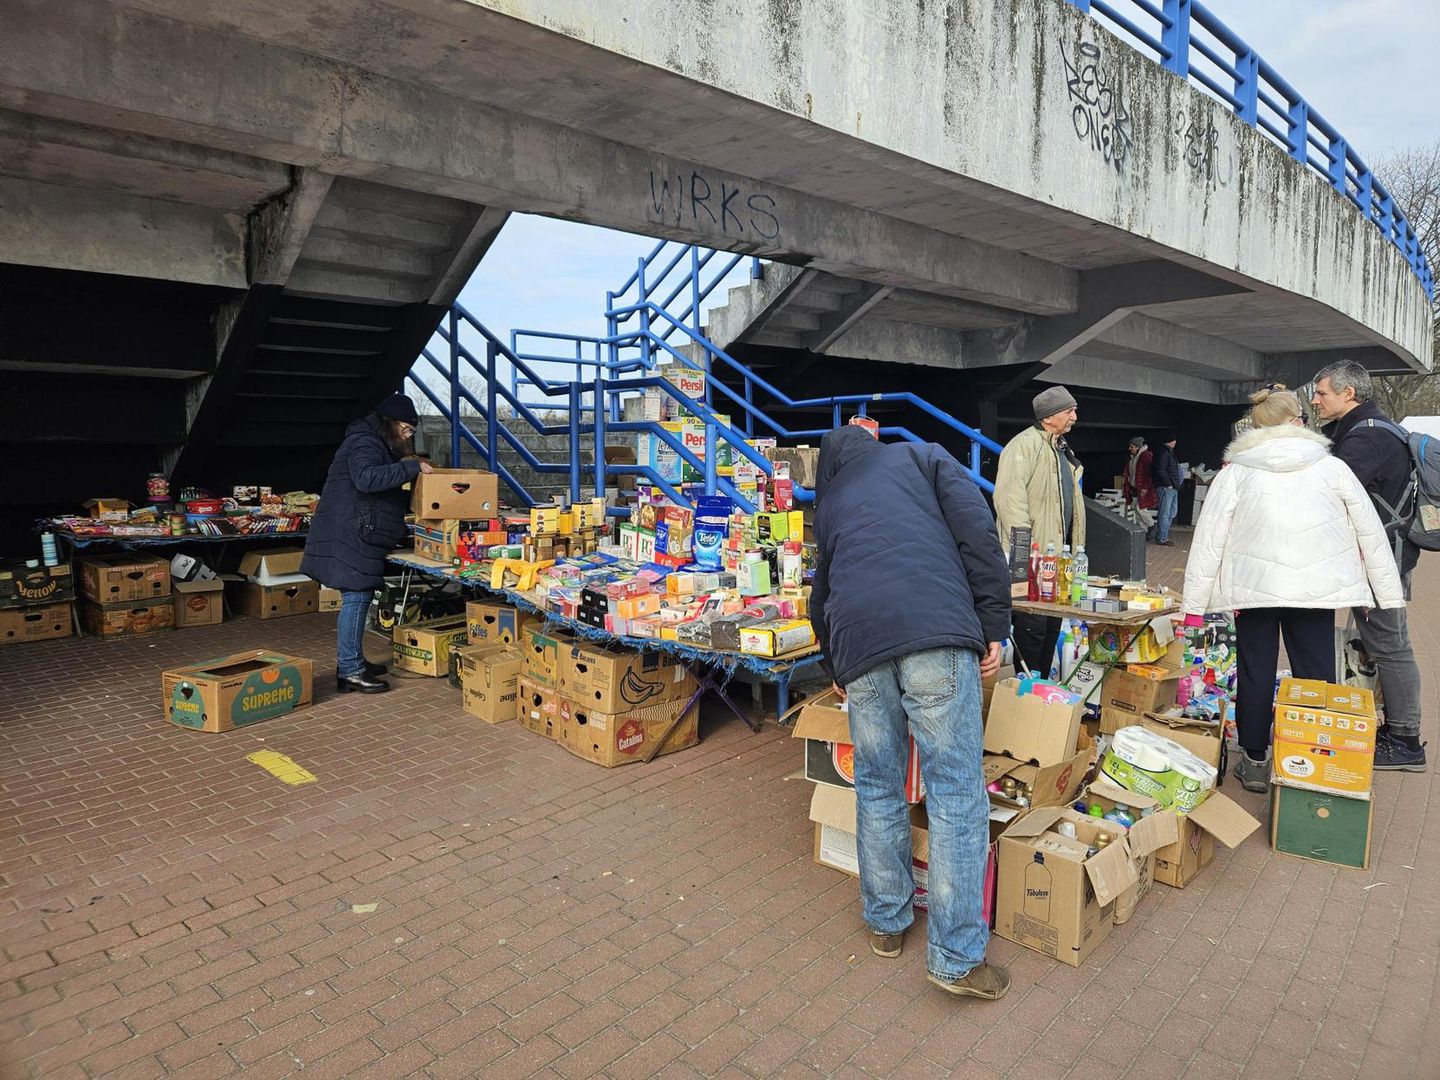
237 690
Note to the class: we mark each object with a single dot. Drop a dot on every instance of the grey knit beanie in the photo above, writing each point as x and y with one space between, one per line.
1053 400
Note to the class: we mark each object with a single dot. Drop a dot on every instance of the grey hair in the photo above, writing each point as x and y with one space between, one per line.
1348 374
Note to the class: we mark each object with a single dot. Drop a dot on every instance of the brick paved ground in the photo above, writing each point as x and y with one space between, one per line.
169 909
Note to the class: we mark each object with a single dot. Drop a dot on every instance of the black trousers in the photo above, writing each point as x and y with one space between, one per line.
1035 638
1309 641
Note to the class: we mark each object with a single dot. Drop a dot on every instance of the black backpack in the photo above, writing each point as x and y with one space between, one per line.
1416 514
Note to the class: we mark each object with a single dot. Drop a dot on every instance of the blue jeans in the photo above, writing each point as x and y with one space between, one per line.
350 632
1165 514
934 695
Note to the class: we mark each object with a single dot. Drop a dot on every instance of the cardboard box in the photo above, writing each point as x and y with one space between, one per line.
1051 896
1204 740
542 656
490 680
616 681
1052 785
424 647
829 754
277 566
113 579
34 623
538 708
1217 818
238 690
1028 729
108 509
24 586
467 494
329 599
1324 768
611 740
492 623
272 601
1331 697
199 603
1321 826
1165 832
833 812
777 638
1133 695
131 618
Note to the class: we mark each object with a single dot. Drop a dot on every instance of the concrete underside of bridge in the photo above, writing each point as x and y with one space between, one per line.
936 179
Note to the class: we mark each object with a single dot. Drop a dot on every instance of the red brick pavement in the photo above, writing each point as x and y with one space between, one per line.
169 909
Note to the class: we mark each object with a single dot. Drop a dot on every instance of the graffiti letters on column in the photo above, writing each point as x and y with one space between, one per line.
1202 150
1097 111
697 200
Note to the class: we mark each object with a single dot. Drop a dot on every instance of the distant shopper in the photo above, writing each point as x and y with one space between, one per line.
1168 479
911 603
1139 487
1380 459
360 520
1037 487
1285 538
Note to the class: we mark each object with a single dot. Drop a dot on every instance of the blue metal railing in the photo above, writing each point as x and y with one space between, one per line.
1188 39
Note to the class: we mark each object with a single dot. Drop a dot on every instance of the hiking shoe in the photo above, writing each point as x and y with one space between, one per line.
984 981
887 945
1253 775
1393 756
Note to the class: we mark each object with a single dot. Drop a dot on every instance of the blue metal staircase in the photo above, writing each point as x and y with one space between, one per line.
645 334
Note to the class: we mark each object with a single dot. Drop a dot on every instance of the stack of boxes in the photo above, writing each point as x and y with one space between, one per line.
558 533
125 595
1324 762
458 511
35 601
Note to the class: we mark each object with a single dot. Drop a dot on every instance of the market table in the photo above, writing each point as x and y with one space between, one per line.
720 665
1132 622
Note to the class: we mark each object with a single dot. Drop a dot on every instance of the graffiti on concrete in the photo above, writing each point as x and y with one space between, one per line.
1202 151
1097 108
695 200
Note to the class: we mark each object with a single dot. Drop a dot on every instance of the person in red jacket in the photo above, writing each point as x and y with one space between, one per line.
1139 484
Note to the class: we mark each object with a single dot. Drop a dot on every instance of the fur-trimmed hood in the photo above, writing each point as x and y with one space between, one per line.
1283 448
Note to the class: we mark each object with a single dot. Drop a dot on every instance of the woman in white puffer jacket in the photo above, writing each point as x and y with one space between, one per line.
1287 536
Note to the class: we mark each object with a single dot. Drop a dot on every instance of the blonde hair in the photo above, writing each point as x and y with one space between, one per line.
1274 406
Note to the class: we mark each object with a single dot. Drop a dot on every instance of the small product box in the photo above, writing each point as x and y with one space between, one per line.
238 690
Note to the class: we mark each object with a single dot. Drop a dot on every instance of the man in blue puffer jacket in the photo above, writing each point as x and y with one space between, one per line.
360 520
911 602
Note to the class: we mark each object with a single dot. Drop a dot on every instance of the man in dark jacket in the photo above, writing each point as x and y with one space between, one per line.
911 602
1168 479
1381 459
360 520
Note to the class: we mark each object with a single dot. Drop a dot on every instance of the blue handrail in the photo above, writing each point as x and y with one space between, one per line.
1185 31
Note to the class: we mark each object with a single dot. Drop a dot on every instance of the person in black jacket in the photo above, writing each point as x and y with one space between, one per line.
360 520
1168 479
911 603
1362 437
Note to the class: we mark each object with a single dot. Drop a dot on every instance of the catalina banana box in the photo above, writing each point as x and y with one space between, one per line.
238 690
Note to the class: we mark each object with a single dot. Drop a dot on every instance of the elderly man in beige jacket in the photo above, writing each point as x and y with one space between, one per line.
1037 487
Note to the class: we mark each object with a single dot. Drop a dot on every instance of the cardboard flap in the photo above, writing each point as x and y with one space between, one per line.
1183 723
833 806
1153 832
1225 820
1036 822
1103 789
1111 872
823 722
997 766
210 585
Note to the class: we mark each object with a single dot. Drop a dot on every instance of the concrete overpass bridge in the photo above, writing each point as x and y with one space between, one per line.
226 226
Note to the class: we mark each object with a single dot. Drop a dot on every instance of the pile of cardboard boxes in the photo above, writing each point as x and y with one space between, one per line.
1324 762
35 601
1054 883
606 705
125 595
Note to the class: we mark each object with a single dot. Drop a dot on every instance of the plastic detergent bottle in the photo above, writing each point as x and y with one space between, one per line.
1121 815
1062 575
1048 570
1033 582
1079 575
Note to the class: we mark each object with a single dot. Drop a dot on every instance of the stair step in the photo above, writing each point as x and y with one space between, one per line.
323 338
304 362
316 311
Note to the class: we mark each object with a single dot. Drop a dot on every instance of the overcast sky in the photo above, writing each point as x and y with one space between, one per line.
1364 64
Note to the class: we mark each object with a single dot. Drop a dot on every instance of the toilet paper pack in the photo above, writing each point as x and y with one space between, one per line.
1148 763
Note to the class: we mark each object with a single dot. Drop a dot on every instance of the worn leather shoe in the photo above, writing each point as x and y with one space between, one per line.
360 684
985 981
887 945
